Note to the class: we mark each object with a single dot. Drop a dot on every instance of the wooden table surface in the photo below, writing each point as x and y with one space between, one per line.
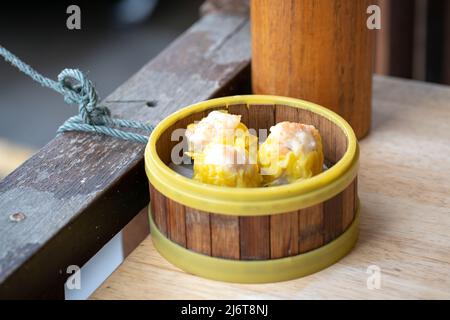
404 188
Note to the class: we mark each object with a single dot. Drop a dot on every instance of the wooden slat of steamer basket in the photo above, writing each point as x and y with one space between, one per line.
176 222
171 137
198 231
240 109
261 116
284 228
348 204
311 118
311 228
158 205
333 208
284 235
326 129
309 220
286 113
254 237
175 215
307 117
163 149
225 239
339 211
255 231
332 218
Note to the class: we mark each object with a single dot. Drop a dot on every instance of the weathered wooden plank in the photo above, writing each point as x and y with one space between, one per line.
135 232
81 189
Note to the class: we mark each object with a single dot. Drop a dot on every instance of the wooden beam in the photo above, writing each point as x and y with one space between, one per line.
135 232
81 189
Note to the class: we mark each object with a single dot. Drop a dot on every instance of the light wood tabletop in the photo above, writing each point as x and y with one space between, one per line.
404 188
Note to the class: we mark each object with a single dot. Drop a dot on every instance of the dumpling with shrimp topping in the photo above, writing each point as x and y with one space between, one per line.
218 127
291 152
226 165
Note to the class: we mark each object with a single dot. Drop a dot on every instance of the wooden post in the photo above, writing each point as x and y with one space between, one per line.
319 51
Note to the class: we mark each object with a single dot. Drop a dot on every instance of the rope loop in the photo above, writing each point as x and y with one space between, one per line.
76 88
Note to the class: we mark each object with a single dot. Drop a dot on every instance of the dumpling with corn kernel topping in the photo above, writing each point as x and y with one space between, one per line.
226 165
292 151
218 127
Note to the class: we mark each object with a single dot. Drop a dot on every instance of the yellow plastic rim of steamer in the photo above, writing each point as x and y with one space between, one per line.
252 201
260 271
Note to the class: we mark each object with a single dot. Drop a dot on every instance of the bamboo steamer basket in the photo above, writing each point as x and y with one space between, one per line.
255 235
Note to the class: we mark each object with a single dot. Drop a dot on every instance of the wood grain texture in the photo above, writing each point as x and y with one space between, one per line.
176 222
311 228
405 217
286 113
170 138
198 235
240 109
332 218
82 182
225 238
261 116
326 129
255 237
284 233
159 210
319 51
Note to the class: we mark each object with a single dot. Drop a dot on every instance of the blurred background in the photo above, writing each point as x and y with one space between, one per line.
119 36
414 41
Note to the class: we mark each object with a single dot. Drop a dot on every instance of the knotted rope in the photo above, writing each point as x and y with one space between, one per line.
78 89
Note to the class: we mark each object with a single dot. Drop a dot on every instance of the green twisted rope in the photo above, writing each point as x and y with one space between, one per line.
78 89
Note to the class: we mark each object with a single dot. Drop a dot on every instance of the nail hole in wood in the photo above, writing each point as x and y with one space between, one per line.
17 216
151 103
